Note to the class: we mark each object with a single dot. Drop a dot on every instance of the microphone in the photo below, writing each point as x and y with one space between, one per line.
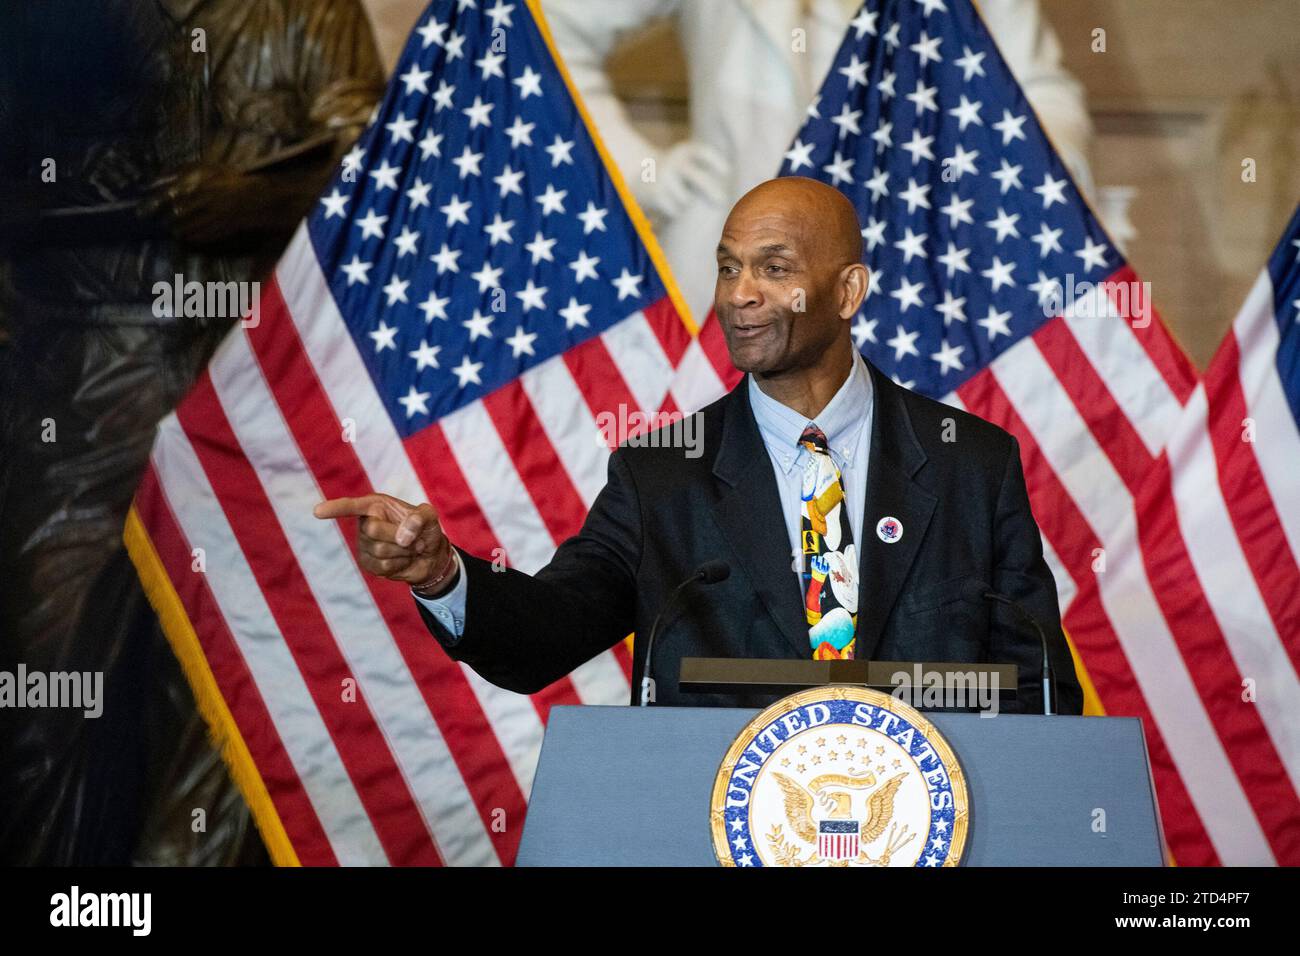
710 572
980 590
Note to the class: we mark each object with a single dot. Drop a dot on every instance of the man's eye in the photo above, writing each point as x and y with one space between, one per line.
726 270
776 269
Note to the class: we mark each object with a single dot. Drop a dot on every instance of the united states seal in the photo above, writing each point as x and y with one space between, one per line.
839 776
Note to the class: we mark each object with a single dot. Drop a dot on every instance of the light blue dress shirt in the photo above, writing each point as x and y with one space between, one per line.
846 422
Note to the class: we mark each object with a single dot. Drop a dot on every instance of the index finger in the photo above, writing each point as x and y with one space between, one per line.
365 505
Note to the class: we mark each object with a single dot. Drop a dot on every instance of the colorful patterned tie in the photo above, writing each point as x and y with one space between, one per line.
830 567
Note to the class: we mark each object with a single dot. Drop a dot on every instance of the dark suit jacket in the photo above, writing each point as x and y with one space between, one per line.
965 516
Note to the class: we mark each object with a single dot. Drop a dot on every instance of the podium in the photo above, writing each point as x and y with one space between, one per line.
628 786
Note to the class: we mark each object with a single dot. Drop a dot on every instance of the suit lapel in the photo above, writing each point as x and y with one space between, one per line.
749 515
895 457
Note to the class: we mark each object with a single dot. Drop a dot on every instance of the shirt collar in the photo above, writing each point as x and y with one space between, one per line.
841 420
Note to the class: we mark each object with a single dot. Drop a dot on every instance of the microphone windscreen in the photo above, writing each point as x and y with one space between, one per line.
711 572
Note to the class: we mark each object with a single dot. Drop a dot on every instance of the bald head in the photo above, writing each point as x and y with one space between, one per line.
790 281
822 213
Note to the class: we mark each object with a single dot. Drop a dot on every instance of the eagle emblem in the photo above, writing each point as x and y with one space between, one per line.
839 776
839 836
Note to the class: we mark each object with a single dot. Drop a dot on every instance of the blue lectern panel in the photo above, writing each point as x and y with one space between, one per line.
629 786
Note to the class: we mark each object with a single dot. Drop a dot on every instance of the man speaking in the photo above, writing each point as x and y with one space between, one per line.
858 520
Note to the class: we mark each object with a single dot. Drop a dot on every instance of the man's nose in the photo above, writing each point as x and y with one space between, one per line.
745 291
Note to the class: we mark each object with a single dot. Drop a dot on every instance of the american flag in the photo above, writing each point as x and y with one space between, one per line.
473 290
1236 490
995 289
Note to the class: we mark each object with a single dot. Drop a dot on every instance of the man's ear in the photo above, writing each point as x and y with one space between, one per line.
853 289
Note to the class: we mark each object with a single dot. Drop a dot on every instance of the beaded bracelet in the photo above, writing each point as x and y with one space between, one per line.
434 582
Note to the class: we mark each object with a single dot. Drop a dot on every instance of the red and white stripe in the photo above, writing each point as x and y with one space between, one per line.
1238 497
373 745
838 846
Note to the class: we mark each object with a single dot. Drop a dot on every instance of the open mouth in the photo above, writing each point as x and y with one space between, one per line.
747 331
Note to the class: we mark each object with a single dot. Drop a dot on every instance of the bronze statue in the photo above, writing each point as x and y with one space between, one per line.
142 139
